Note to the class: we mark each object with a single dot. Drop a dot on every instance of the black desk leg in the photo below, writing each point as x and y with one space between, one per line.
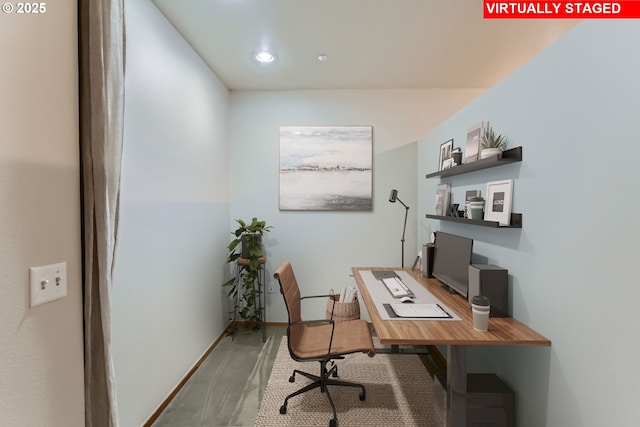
456 386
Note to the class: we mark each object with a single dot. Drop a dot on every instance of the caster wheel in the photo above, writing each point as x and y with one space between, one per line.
283 409
335 374
363 396
292 379
333 423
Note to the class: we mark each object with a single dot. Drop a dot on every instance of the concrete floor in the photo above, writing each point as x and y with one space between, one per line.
227 388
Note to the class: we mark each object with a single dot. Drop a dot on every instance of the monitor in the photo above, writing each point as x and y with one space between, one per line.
451 260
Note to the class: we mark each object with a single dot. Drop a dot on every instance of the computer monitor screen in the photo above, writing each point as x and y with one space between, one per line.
451 259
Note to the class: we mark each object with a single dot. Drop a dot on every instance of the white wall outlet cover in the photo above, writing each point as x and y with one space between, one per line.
48 283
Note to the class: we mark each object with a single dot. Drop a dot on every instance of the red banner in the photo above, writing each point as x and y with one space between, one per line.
561 10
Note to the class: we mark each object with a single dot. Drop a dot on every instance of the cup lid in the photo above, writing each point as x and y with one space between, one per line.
480 300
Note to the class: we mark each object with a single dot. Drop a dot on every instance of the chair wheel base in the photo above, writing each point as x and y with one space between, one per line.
333 423
283 409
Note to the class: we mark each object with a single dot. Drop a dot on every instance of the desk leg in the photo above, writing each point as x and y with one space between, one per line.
456 386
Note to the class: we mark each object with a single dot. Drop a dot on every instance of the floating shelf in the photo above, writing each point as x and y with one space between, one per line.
508 156
516 221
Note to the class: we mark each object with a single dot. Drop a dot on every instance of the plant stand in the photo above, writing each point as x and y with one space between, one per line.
261 305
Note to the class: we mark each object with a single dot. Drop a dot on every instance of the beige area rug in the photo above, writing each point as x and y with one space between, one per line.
399 393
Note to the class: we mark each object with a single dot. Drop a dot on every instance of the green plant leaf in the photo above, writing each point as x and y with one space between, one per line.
233 245
244 288
256 252
492 140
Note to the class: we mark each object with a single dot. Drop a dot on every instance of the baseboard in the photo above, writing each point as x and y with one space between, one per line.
165 402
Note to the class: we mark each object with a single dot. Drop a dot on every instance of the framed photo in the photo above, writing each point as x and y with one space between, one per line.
448 163
443 197
474 133
498 205
445 153
326 168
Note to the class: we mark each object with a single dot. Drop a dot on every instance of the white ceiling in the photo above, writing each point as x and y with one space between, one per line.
370 43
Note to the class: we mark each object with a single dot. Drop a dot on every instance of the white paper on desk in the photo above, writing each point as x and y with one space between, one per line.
419 310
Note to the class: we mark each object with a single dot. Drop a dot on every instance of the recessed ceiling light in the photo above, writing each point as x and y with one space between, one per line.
322 57
265 57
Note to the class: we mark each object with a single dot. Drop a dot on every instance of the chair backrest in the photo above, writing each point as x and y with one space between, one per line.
290 291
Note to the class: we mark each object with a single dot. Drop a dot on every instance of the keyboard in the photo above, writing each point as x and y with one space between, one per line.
397 288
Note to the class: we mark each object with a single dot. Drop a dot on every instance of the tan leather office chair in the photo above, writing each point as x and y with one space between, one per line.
320 341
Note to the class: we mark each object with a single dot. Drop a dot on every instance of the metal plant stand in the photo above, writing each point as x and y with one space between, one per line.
261 306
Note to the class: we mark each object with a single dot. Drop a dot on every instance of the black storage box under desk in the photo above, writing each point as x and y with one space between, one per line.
490 402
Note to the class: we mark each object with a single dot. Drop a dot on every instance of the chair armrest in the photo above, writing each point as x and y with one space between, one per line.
323 296
317 296
332 308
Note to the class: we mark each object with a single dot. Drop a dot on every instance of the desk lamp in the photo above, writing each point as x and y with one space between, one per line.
392 198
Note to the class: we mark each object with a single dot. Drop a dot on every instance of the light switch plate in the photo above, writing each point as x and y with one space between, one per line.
48 283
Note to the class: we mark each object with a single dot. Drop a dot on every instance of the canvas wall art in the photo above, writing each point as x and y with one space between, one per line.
326 168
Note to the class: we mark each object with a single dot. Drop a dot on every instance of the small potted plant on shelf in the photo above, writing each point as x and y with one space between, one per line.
492 144
250 262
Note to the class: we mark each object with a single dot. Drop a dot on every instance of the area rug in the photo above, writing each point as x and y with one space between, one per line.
399 393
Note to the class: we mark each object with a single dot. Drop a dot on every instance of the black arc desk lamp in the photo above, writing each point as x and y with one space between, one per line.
392 198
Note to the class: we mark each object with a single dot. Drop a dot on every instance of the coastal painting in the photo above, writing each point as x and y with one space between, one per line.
326 168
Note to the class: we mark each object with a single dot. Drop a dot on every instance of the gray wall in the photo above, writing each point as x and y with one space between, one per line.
323 246
574 109
195 158
167 302
41 354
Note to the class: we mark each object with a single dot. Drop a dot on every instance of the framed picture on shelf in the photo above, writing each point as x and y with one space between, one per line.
448 163
443 194
498 205
474 133
445 153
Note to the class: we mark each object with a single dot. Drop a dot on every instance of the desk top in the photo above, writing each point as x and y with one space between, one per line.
502 330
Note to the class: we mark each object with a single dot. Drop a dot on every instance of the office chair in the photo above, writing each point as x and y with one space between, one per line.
320 340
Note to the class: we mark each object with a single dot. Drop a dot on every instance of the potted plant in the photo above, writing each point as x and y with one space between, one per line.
250 260
492 144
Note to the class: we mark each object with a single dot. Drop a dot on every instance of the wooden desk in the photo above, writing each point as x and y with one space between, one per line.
456 335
